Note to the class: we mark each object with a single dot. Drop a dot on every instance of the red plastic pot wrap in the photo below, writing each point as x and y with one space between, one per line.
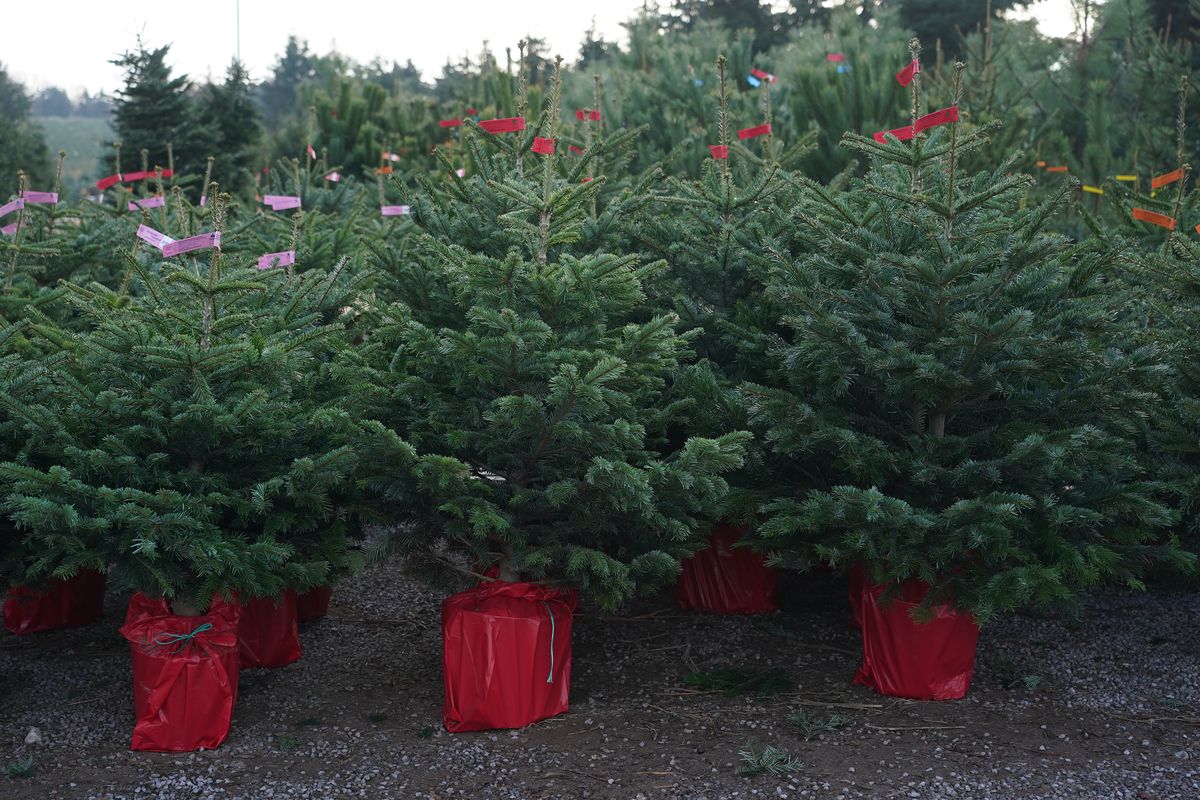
313 604
58 604
185 675
723 579
267 632
906 658
506 655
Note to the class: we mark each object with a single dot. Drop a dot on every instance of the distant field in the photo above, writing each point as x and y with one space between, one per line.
84 140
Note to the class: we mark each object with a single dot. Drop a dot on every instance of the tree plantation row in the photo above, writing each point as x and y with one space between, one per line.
561 378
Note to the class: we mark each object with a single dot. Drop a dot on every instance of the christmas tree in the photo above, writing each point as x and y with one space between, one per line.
536 368
201 453
154 110
955 396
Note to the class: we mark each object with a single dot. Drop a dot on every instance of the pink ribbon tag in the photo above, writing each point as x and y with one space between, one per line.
40 197
281 202
202 242
152 237
12 206
312 153
391 156
283 259
148 202
333 176
203 200
9 230
393 211
460 172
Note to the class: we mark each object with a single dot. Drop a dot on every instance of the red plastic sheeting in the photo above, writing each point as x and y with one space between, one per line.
920 661
185 676
727 580
59 604
267 632
506 655
313 604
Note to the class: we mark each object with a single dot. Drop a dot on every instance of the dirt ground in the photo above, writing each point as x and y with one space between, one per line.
1108 707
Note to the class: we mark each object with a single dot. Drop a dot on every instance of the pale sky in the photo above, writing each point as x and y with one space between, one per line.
69 43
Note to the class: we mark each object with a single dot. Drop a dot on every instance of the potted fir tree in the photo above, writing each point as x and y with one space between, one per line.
953 406
200 448
530 369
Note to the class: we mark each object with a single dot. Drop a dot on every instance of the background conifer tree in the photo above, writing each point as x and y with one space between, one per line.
230 111
153 109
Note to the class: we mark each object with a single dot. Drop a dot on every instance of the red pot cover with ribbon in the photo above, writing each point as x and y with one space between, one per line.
267 632
313 604
506 655
919 660
185 674
58 604
723 579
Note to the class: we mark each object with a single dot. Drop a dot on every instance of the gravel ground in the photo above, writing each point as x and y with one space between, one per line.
1107 707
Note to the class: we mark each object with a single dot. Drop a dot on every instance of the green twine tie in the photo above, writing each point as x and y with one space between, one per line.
181 640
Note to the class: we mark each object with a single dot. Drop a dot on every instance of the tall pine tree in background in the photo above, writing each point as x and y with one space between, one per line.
953 398
153 109
21 143
231 112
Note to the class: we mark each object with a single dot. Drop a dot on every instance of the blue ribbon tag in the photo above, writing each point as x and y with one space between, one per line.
180 640
753 81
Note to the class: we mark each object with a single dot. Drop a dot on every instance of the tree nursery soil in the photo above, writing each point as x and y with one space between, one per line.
1105 705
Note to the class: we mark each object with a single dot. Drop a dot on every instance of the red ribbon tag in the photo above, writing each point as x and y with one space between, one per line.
905 76
1154 218
930 120
471 112
835 58
757 130
573 149
1166 179
719 150
109 182
506 125
1058 169
541 145
588 113
764 76
449 123
130 177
